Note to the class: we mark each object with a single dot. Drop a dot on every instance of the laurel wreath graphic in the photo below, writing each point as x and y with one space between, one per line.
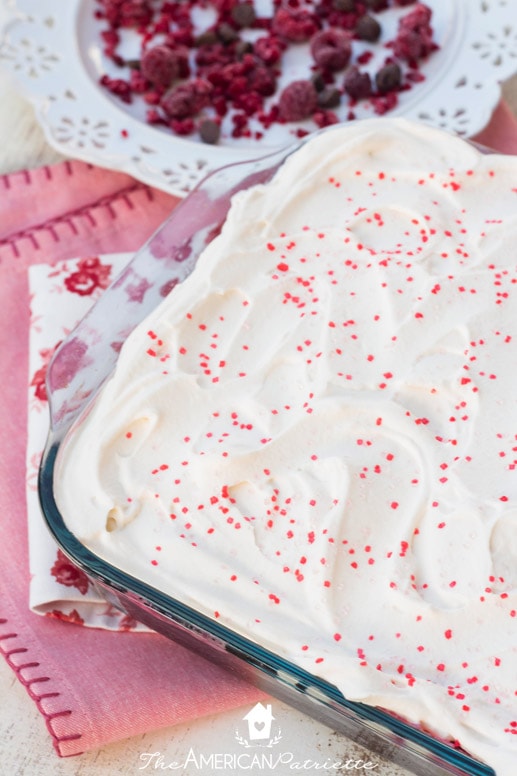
246 744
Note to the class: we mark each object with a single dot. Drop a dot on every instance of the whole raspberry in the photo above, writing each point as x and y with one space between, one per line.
298 101
186 100
161 65
331 49
294 25
415 35
357 85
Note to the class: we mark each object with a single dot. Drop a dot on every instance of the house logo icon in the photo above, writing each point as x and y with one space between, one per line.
259 722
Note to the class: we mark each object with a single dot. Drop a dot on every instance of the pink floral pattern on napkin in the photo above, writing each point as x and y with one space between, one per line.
61 295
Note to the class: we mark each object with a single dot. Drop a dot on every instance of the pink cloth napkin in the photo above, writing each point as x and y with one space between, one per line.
91 686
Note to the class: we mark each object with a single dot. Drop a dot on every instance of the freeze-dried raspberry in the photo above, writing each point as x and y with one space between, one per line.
135 13
414 39
298 101
324 118
331 49
388 78
294 25
139 84
368 28
269 49
262 80
161 65
186 100
183 126
118 87
357 85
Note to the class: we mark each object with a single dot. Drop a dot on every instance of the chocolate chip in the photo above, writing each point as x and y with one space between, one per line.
243 47
209 131
329 97
357 85
376 5
368 28
318 81
348 6
207 38
244 14
388 78
226 33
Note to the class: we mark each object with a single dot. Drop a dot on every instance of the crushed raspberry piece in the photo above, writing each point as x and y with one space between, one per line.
294 25
269 49
162 65
118 87
262 80
324 118
331 49
184 126
186 100
298 101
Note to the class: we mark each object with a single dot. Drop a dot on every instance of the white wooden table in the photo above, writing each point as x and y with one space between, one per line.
25 746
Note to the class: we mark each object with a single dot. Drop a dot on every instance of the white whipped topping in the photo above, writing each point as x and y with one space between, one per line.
314 437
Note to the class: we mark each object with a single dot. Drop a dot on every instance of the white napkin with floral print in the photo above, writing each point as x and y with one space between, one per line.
61 295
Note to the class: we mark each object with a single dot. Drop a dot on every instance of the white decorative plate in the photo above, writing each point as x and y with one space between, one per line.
53 49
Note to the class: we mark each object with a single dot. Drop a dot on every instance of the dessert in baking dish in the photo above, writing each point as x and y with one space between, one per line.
313 439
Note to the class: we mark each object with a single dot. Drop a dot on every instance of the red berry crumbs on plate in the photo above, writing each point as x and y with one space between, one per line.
211 69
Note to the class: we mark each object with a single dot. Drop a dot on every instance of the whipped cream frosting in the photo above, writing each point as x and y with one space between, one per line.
313 439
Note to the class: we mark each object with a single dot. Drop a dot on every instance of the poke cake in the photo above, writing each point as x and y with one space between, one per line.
313 439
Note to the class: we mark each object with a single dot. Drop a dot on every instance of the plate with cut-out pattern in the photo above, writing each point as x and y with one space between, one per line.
55 52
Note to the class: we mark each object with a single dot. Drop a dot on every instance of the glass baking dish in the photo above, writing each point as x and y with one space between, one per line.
79 368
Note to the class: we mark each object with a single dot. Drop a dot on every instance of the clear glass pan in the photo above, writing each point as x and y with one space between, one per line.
79 368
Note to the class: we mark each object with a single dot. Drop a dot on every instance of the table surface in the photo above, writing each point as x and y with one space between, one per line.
25 746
